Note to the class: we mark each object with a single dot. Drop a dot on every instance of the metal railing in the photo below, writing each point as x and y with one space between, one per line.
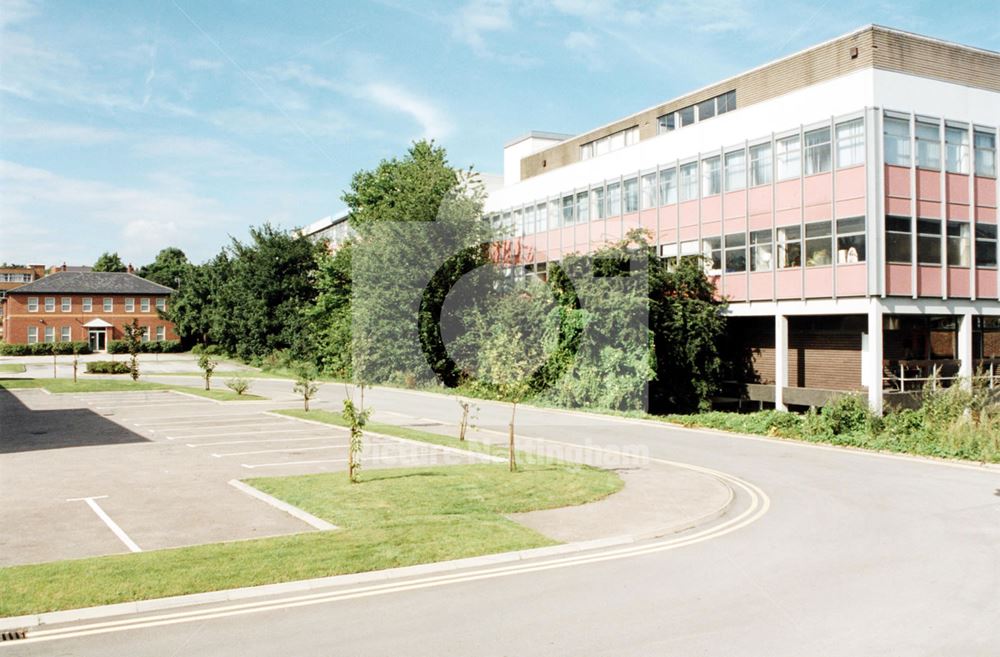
913 375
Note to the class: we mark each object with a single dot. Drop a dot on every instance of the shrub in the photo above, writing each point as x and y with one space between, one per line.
107 367
238 385
151 347
208 350
848 414
43 348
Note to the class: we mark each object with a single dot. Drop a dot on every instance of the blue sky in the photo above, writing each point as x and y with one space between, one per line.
130 126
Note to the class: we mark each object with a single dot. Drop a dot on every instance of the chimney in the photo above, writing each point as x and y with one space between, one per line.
130 269
64 265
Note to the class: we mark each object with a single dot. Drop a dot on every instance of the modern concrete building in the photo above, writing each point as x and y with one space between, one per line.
844 199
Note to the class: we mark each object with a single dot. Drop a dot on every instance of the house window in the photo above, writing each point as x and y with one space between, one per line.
788 153
898 246
929 241
986 153
959 240
130 305
145 334
632 195
689 181
668 186
986 245
817 154
819 243
597 203
109 304
789 246
736 252
928 145
649 191
65 334
50 333
897 141
88 304
614 199
760 250
32 304
850 240
711 250
161 331
760 165
711 176
66 304
50 304
736 170
567 210
583 207
956 141
850 143
32 334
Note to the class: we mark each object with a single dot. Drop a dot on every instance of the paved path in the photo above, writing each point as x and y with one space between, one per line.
858 555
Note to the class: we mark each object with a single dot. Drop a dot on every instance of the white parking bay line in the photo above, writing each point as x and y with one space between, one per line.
243 433
250 466
291 450
304 516
276 440
112 525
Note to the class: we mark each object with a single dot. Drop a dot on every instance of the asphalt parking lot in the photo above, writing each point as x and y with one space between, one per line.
104 473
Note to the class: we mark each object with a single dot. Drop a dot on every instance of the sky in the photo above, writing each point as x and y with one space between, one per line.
132 126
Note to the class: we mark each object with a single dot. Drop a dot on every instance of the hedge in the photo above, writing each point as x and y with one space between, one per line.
151 347
107 367
43 348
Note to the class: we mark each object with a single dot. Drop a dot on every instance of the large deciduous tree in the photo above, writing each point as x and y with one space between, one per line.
170 268
109 262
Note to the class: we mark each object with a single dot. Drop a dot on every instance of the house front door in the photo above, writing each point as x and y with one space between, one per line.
98 339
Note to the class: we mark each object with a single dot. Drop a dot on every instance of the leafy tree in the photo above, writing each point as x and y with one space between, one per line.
357 418
207 365
109 262
195 307
170 268
133 344
328 318
306 385
238 384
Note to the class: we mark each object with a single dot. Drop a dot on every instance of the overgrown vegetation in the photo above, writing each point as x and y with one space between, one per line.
44 348
108 367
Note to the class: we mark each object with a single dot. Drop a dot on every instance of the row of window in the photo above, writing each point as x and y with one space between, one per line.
706 109
957 241
612 142
783 247
16 278
927 139
65 334
87 304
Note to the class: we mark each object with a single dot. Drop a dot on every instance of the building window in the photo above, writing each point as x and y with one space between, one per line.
817 154
986 245
668 186
819 242
726 102
789 246
612 142
929 241
130 305
530 228
66 304
736 252
145 334
161 331
686 116
928 145
706 109
850 143
161 304
50 334
583 207
959 240
760 165
109 305
648 189
32 334
897 141
567 211
665 123
689 181
788 152
517 223
711 176
597 203
956 141
736 170
898 246
986 153
711 250
88 304
65 334
32 304
850 240
50 304
631 195
541 221
760 250
614 199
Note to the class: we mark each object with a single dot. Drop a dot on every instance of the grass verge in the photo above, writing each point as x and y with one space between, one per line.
11 368
118 385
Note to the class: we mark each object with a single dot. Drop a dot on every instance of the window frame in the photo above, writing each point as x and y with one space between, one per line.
762 166
711 176
930 239
688 184
847 237
823 150
814 238
49 304
667 182
956 155
893 225
32 304
32 335
87 304
129 304
66 334
788 248
758 246
901 154
66 304
788 161
850 143
736 173
926 157
108 304
978 132
984 243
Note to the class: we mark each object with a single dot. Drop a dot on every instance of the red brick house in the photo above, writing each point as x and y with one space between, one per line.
87 307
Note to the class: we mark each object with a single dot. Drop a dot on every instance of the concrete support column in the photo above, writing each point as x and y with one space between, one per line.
873 357
780 361
965 368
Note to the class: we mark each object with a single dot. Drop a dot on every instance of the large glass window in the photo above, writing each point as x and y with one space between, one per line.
583 207
726 102
986 245
929 241
928 145
850 143
736 170
649 191
711 250
665 123
614 199
529 220
897 141
760 250
789 241
788 154
817 154
518 223
706 109
956 141
736 252
686 116
819 242
986 153
959 243
631 195
668 186
541 217
760 165
597 203
567 211
898 245
850 240
711 176
689 181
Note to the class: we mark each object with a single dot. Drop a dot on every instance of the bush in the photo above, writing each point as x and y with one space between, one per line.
238 385
848 414
151 347
107 367
208 350
43 348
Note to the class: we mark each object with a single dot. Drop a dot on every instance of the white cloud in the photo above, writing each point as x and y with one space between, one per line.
478 18
433 122
21 129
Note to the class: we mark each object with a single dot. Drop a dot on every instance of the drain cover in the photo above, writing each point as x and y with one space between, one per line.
12 635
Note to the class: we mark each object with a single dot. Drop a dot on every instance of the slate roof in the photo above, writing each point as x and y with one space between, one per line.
69 282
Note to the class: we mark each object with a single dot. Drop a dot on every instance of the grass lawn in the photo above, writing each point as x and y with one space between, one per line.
394 517
84 384
11 368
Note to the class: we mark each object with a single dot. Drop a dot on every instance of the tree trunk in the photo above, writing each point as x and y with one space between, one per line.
54 366
465 423
510 438
305 404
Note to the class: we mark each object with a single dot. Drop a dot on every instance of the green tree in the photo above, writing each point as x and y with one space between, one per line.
132 337
306 385
109 262
207 365
170 268
195 307
328 318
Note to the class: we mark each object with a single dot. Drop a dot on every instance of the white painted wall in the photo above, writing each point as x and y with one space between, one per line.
910 93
